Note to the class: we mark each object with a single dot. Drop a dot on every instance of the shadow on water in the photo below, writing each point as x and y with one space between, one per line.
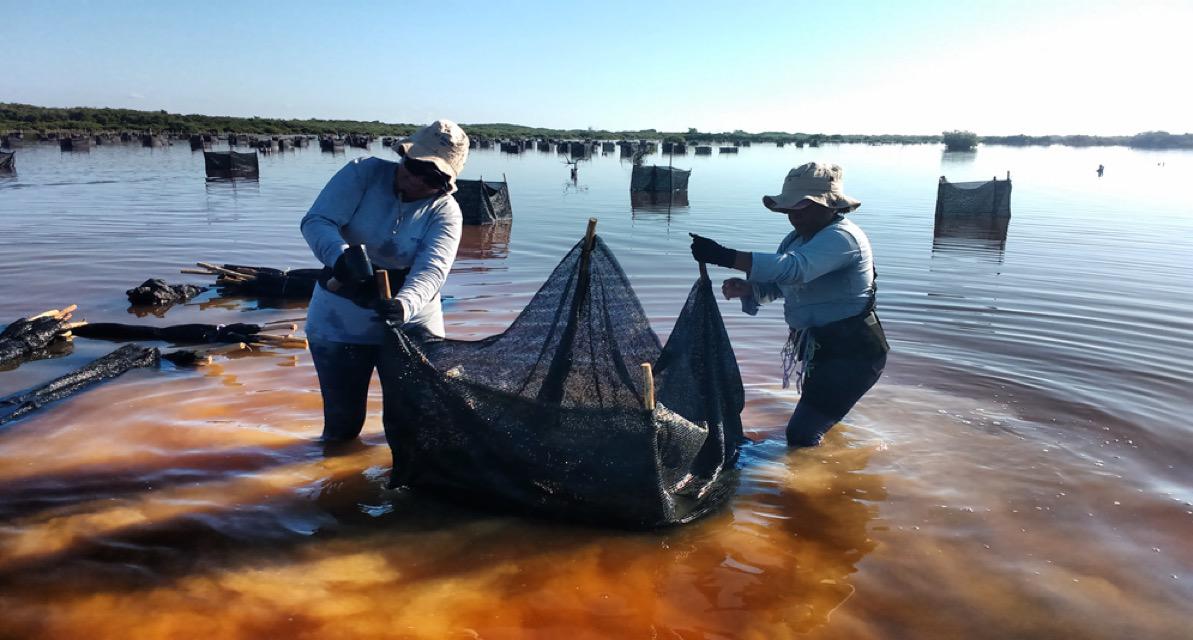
779 556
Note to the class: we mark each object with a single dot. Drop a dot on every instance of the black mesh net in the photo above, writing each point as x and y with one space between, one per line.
549 415
974 198
483 202
230 164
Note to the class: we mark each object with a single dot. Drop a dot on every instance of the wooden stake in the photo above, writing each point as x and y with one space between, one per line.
648 380
590 235
224 272
286 321
383 289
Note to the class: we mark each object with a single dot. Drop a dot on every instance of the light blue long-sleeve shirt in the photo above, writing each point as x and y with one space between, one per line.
827 278
358 206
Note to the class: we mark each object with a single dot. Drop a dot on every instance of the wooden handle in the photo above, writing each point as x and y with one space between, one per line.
590 234
383 289
648 380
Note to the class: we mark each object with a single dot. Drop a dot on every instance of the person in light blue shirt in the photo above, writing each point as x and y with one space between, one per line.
824 272
405 217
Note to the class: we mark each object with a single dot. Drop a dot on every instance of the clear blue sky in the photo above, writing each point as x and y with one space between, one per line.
917 66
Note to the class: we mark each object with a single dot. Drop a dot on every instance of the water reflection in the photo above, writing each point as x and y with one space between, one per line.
958 157
650 202
483 242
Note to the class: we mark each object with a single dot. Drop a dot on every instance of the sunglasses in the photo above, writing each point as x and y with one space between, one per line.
426 171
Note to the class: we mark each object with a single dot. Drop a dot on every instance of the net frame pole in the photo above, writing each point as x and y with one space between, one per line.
561 364
648 381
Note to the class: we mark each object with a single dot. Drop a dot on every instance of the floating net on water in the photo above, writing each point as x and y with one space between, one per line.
549 415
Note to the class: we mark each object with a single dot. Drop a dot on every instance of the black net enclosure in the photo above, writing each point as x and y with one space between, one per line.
973 209
231 164
483 202
656 179
558 416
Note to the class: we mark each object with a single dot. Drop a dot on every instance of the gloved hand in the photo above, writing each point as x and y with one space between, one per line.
390 310
708 250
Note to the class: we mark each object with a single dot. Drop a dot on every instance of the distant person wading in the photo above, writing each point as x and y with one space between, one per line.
824 271
397 216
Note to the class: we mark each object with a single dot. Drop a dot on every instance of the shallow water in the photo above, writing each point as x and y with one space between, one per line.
1022 470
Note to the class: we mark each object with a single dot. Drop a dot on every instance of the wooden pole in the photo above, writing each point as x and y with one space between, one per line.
383 289
648 384
222 271
590 235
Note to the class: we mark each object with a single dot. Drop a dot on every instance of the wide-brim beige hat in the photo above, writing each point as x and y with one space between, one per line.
816 182
442 143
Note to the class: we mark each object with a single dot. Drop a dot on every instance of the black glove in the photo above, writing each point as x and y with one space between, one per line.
708 250
390 310
346 272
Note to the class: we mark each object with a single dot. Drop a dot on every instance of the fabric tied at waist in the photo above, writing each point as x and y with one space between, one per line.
859 336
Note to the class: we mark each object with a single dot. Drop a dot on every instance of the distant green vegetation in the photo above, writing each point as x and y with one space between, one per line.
960 140
34 119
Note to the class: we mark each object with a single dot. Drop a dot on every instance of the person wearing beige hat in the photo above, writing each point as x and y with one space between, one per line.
824 272
403 217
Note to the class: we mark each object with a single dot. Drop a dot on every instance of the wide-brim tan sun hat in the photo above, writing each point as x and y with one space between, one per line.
816 182
442 143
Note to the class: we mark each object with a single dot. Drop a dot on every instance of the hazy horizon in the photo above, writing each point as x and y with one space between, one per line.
1038 68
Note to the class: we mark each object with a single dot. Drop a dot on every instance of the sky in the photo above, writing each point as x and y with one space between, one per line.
1043 67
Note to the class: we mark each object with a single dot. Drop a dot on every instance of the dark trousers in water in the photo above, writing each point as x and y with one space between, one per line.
830 389
344 371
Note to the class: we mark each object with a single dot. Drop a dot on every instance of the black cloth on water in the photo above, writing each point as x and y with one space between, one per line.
548 416
266 282
126 358
179 333
28 339
155 292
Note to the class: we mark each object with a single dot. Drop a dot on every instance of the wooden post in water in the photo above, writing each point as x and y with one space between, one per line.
648 387
590 235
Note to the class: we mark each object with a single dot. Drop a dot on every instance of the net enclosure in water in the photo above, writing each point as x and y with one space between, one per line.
483 202
968 209
656 179
231 164
549 416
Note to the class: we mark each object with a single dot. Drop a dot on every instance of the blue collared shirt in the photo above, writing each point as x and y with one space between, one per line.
827 278
358 206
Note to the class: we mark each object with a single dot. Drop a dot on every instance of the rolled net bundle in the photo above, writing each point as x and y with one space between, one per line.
549 416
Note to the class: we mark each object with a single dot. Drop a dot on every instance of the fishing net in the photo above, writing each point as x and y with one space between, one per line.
549 416
8 162
126 358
